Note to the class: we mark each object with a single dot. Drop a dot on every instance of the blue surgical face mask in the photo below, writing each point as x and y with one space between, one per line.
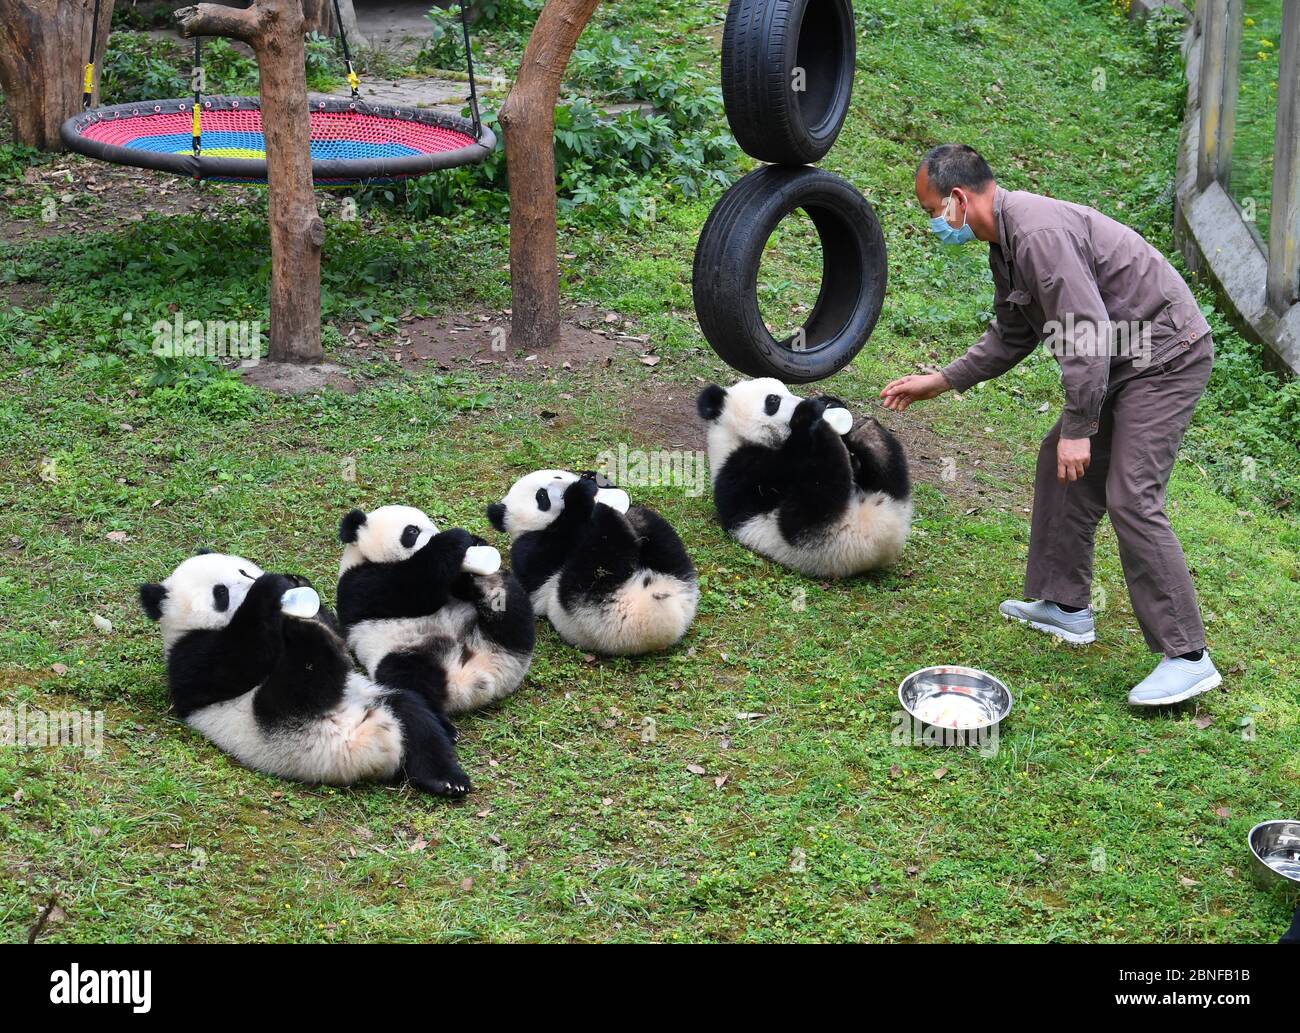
940 228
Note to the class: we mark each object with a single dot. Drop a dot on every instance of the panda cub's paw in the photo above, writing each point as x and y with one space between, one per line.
581 494
810 411
453 784
453 733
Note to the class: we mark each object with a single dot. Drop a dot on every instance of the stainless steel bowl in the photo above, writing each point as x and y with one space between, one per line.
955 698
1275 858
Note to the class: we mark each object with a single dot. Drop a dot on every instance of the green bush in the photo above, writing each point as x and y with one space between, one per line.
138 66
609 167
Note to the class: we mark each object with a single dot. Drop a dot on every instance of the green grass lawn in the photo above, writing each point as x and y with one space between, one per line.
590 820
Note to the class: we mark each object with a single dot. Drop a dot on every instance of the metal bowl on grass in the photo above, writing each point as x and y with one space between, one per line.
1275 858
961 699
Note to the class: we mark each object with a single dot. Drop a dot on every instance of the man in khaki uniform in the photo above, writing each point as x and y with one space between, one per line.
1135 354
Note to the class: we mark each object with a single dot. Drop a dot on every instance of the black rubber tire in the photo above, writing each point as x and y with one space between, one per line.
764 41
724 280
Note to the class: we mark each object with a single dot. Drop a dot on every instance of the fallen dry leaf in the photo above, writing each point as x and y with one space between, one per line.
118 536
1203 721
695 769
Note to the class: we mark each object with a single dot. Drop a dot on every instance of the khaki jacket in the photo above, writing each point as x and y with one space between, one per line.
1090 289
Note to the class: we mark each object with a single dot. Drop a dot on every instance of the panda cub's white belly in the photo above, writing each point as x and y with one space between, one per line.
478 670
360 739
870 534
649 612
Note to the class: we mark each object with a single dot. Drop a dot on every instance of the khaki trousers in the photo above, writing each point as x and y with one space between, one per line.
1142 423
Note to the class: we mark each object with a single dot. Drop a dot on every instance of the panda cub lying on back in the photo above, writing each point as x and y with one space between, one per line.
257 665
612 578
422 613
828 501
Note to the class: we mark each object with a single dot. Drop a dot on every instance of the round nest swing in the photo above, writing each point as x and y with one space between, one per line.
351 141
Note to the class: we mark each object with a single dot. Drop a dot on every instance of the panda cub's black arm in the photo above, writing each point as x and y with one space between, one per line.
660 547
604 557
819 461
310 676
413 587
218 664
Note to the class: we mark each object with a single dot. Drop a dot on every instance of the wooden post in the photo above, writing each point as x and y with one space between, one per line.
528 128
1220 61
1284 227
43 49
274 29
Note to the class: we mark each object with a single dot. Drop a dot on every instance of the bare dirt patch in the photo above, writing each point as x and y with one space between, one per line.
284 378
23 295
480 342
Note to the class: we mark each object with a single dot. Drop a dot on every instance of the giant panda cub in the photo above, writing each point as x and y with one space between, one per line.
432 612
612 578
793 480
258 666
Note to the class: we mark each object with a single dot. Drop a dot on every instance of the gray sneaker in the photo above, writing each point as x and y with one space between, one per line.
1078 629
1175 680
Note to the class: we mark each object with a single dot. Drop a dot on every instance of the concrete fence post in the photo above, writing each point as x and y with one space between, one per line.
1284 224
1220 62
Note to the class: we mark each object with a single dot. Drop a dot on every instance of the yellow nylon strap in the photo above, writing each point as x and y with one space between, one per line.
88 83
196 120
354 80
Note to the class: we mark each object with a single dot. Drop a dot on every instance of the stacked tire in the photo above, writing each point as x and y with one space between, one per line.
787 79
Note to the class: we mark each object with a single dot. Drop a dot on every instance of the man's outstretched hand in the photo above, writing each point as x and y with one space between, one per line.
1072 458
899 394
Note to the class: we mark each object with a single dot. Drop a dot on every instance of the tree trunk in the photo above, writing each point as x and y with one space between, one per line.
355 40
318 16
43 50
528 127
274 29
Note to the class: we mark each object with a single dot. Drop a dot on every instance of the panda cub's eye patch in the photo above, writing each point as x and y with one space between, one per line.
410 536
771 404
220 598
543 500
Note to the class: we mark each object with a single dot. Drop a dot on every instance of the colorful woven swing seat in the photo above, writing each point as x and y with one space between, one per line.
222 138
351 141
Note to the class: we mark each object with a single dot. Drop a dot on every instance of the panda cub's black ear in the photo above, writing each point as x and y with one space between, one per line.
711 402
151 598
496 514
350 525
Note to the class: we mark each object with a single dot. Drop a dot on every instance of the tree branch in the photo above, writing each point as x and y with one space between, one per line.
219 20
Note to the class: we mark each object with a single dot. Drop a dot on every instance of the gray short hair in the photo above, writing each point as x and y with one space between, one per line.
956 165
